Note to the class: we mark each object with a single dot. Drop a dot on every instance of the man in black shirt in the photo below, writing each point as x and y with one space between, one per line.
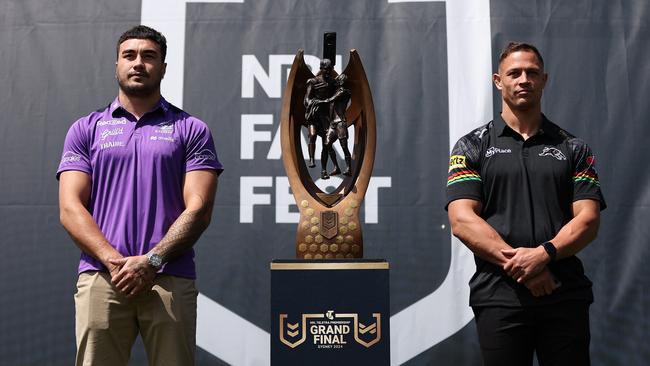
524 196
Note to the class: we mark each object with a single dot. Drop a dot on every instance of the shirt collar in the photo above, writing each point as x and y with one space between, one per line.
501 126
546 127
116 107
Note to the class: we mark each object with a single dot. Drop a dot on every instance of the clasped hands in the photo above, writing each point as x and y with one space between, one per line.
131 275
528 267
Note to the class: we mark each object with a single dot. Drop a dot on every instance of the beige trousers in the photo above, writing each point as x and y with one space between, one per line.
107 323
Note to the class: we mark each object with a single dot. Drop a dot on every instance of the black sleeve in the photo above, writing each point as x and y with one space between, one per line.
464 178
585 179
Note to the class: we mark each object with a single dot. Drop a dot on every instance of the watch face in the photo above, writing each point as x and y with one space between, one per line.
155 260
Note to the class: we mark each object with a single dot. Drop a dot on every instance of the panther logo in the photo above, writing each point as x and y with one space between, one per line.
551 151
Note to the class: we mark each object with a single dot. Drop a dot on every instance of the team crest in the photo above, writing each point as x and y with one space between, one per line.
551 151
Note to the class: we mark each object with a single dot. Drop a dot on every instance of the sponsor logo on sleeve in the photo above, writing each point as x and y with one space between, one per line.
70 157
551 151
205 154
495 150
457 162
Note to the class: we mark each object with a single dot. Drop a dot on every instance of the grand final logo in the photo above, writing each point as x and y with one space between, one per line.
330 330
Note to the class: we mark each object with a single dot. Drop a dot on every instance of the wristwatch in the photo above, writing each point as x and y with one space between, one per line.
550 249
155 260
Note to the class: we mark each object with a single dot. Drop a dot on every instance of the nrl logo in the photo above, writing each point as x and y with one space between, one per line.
330 330
329 224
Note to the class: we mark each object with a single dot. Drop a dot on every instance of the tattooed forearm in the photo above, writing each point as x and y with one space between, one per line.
199 190
183 233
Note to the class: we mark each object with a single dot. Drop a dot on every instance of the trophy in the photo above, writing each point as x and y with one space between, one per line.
326 106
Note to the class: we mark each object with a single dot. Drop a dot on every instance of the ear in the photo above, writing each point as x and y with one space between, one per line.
496 79
164 70
544 80
116 70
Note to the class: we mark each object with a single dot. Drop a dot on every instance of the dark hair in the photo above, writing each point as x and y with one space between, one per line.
144 32
520 46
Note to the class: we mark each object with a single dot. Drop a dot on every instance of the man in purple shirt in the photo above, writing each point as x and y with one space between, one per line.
137 186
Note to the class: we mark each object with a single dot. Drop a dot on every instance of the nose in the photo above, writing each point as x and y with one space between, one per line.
138 62
523 78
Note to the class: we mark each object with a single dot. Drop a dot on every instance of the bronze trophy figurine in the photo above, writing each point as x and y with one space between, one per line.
328 104
326 101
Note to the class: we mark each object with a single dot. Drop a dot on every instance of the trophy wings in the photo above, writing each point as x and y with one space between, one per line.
360 115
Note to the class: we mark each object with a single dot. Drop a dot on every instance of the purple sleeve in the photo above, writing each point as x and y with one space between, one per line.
76 150
199 149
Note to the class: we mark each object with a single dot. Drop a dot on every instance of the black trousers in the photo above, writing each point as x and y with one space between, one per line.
558 333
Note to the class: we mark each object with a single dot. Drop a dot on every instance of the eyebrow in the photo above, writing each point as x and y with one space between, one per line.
148 51
535 68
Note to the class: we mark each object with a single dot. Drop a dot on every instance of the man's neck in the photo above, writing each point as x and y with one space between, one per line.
138 106
525 122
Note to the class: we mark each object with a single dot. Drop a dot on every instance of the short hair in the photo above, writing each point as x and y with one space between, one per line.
513 47
144 32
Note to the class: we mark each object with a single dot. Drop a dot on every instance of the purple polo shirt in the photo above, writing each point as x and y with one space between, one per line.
137 170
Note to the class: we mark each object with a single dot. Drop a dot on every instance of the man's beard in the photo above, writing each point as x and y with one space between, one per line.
138 90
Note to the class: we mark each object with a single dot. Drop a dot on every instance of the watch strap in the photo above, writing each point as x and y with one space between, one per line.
550 249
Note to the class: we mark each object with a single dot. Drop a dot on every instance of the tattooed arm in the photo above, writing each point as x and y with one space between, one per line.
199 190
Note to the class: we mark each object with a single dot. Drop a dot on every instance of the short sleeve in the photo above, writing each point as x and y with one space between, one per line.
200 152
585 178
464 178
76 150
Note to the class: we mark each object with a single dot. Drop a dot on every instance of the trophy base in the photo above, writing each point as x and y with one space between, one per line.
329 233
331 312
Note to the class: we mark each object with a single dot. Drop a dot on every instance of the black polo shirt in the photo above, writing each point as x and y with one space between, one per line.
527 189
